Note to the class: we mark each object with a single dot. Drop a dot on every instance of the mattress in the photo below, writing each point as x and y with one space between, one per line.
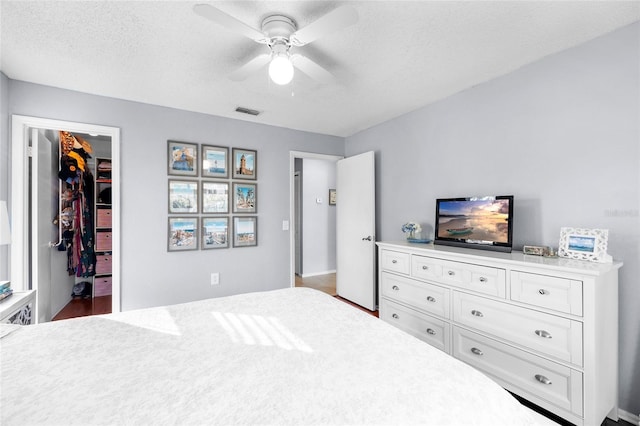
285 357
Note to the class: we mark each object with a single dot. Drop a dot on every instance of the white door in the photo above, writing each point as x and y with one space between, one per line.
43 232
298 223
355 223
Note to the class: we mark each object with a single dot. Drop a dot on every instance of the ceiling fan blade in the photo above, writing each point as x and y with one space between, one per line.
335 20
219 17
250 67
312 69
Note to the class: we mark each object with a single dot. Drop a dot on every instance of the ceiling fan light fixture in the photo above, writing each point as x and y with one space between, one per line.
281 69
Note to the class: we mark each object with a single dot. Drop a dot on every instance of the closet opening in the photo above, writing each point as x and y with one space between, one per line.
65 199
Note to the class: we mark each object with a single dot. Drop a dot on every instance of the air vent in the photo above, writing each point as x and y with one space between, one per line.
247 111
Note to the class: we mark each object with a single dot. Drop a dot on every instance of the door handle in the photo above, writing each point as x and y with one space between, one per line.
367 238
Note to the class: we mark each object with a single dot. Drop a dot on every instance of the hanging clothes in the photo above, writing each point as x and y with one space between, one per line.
78 200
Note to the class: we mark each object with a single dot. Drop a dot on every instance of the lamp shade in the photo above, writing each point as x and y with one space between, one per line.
281 69
5 231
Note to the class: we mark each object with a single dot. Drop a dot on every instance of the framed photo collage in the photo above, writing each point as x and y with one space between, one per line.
206 184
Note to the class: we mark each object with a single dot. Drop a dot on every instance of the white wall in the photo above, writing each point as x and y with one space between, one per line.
150 275
319 223
562 135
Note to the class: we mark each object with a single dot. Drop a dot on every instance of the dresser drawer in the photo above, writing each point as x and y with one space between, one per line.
102 286
548 334
423 296
558 294
103 264
483 279
424 327
103 218
555 383
427 268
395 261
103 241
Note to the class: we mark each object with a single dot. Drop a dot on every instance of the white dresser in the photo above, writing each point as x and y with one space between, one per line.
544 328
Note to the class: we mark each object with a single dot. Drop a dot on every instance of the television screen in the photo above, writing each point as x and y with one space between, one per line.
477 222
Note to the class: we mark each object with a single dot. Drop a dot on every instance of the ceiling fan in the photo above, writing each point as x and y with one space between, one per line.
280 33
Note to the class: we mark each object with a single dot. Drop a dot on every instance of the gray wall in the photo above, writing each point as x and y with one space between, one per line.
150 275
319 223
562 135
4 164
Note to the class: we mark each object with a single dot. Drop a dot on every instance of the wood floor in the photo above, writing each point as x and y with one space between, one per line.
85 307
327 283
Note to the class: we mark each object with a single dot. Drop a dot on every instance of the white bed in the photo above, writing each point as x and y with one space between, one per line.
293 356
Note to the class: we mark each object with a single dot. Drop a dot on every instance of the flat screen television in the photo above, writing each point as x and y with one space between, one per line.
475 222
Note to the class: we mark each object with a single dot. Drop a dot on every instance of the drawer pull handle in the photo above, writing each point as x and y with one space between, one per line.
430 299
394 261
483 280
431 331
395 288
477 313
451 273
425 267
395 316
542 291
543 333
542 379
477 351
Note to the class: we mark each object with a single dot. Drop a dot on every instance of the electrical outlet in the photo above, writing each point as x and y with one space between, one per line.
215 278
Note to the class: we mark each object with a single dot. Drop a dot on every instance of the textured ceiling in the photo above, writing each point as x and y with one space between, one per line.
399 56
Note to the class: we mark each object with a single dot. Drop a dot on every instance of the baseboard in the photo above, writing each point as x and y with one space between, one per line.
313 274
628 417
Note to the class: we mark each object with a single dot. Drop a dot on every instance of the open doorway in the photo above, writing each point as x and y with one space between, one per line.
313 232
35 187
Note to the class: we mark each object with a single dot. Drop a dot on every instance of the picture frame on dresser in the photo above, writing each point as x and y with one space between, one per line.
584 244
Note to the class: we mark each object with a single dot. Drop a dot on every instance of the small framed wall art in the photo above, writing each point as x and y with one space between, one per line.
182 158
215 197
215 161
183 234
183 196
245 231
215 232
584 244
245 164
332 197
245 198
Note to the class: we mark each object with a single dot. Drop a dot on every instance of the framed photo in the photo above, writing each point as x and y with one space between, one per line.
245 231
245 199
584 244
332 197
245 164
215 232
215 161
182 158
183 196
215 197
183 233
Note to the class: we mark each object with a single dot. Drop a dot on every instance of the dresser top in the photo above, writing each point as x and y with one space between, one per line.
514 258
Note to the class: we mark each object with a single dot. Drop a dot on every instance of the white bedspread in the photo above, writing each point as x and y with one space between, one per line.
294 356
